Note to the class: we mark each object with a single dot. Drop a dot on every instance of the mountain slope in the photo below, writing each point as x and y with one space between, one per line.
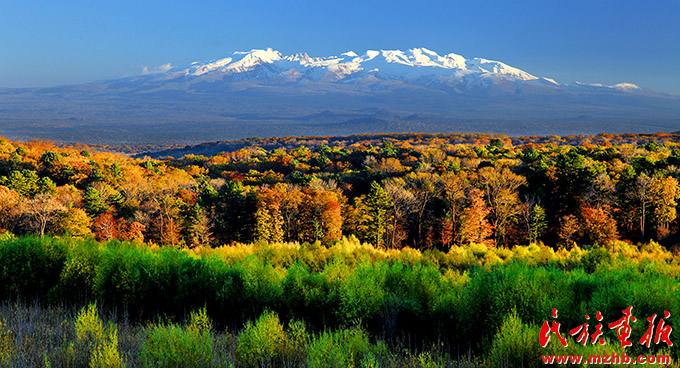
266 93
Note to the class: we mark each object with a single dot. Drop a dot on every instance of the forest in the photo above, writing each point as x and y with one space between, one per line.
384 250
423 192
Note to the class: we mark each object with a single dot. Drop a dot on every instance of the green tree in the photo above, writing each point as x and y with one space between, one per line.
46 185
50 158
236 213
376 206
570 178
93 203
116 173
495 145
537 223
388 150
24 182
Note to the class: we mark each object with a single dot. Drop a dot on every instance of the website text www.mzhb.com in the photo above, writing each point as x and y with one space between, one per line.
612 358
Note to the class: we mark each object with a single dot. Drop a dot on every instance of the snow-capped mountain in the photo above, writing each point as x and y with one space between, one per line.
264 92
417 66
414 64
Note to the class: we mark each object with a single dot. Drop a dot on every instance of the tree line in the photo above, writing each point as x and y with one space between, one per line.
397 191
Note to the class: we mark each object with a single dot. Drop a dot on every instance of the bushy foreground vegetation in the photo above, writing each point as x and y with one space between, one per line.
308 305
86 340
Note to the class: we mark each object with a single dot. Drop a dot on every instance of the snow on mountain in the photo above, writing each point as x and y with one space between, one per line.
496 67
264 93
621 87
238 63
626 87
414 64
418 66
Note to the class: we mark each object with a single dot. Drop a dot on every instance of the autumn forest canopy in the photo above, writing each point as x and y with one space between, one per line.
393 191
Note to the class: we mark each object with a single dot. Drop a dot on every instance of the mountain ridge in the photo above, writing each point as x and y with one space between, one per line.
265 93
384 64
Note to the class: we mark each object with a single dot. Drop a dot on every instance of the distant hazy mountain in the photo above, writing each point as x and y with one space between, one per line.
265 93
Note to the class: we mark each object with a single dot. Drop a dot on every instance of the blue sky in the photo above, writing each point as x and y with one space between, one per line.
44 43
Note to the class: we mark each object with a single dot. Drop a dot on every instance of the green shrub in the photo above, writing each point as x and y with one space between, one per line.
226 284
199 321
7 344
89 328
426 359
591 259
101 343
342 348
118 273
170 345
516 344
297 341
362 293
29 266
262 343
314 255
196 284
531 292
106 354
306 294
77 279
394 293
418 286
261 281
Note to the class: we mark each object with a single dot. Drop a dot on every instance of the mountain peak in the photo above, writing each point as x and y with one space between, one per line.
263 91
626 87
416 65
395 63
